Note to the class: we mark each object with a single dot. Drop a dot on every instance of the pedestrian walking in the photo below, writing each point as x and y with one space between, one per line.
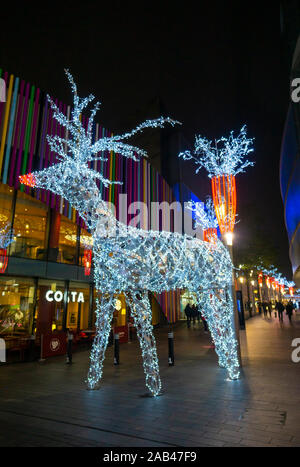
280 308
188 312
69 346
270 309
197 313
289 310
265 308
194 314
204 322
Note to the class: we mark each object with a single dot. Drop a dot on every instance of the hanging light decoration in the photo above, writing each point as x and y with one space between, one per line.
223 160
291 285
224 196
260 279
87 261
3 260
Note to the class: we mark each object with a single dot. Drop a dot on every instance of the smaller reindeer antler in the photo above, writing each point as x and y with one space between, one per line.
78 144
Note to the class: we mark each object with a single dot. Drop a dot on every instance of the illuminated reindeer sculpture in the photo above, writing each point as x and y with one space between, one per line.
130 260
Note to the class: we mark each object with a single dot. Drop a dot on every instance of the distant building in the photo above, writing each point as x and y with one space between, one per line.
290 152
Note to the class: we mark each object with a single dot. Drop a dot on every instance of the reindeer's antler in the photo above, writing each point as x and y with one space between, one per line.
80 145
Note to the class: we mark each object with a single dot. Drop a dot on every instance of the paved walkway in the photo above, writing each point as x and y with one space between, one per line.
48 405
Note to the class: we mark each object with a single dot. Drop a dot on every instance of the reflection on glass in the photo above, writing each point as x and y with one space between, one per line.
6 197
67 241
16 306
29 228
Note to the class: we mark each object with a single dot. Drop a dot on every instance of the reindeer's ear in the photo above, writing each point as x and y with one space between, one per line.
28 179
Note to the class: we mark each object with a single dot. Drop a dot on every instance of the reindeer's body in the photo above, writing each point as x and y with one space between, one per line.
133 261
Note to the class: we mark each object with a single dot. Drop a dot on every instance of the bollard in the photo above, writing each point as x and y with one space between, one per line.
171 348
69 347
32 348
116 350
41 360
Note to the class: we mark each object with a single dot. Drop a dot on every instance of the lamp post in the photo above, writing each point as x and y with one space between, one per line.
224 159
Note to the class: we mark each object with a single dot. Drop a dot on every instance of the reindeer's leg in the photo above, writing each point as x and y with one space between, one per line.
219 313
142 315
104 311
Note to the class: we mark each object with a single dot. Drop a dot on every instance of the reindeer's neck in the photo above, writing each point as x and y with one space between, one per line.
85 198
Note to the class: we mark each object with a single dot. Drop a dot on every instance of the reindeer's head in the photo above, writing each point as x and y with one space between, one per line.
72 177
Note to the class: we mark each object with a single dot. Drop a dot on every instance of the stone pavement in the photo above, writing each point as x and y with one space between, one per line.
48 405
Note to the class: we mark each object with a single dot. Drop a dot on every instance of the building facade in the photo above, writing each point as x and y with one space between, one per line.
46 285
290 170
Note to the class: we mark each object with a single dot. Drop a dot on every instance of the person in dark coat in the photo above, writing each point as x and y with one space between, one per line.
270 309
280 308
194 313
289 310
188 314
264 305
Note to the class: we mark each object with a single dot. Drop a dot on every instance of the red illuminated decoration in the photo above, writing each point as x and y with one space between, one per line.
291 291
260 279
224 197
87 261
210 235
28 179
282 289
3 260
268 281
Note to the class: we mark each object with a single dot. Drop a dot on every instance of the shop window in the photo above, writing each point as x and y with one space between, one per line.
29 228
185 299
16 306
67 241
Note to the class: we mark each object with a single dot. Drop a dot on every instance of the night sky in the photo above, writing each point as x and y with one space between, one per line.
214 65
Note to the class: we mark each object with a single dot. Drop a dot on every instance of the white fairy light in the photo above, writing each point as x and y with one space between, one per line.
6 236
134 261
222 156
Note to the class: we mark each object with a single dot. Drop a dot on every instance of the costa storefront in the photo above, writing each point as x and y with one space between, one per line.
46 280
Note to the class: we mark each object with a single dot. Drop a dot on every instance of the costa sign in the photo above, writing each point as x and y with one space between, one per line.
58 296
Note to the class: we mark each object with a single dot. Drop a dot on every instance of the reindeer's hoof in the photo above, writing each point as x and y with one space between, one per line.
151 394
92 386
233 374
